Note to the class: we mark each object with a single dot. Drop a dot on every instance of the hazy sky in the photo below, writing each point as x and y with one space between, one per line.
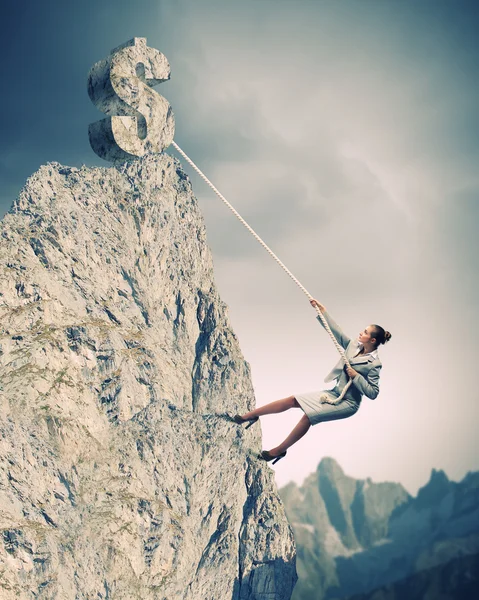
346 132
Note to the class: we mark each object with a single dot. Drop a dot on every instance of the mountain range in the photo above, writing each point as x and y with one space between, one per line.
356 536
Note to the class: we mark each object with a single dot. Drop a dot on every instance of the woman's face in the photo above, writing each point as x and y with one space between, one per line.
365 336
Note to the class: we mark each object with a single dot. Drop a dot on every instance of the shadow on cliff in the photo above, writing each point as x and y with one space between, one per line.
274 580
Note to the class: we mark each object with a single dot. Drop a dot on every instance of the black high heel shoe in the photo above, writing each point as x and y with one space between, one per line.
265 455
239 419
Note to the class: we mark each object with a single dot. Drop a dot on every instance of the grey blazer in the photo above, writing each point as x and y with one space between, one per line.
368 367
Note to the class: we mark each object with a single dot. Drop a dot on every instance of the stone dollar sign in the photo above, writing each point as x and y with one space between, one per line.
141 120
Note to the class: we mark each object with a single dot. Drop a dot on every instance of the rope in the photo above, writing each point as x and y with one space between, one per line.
324 397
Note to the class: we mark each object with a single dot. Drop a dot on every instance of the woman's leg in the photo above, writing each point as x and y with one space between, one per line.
330 413
301 428
273 407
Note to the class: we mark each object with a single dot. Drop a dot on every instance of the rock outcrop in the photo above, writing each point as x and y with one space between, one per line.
121 474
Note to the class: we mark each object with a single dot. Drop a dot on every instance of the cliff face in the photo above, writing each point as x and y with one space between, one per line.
121 475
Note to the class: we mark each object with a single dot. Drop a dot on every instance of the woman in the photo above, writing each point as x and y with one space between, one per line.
362 354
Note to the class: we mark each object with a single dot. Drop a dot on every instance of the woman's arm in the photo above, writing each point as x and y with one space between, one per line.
370 386
338 333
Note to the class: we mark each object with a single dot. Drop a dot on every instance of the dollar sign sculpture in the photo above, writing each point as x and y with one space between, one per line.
142 121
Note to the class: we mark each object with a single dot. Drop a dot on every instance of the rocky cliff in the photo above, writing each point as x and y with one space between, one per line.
121 474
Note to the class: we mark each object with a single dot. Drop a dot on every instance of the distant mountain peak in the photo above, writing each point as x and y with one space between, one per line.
329 466
439 475
435 489
355 535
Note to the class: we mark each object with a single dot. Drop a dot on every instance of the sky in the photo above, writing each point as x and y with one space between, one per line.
346 132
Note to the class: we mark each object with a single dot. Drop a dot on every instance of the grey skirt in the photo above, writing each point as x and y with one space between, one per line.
318 411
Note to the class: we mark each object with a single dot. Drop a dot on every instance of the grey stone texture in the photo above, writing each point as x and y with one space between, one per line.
121 473
141 120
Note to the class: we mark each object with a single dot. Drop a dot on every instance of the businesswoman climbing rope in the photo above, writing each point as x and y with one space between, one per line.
362 354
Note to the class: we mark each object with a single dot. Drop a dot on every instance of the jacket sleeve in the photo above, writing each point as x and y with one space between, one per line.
370 386
338 333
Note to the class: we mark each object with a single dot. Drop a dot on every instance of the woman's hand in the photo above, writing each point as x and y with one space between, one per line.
318 304
351 372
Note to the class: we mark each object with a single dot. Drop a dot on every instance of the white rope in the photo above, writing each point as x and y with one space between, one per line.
324 397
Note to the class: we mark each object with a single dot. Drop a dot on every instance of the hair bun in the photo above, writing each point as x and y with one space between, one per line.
387 336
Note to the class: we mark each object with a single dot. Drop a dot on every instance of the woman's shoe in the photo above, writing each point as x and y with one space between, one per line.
239 419
267 456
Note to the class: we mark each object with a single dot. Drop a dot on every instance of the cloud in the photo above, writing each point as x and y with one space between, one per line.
343 145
